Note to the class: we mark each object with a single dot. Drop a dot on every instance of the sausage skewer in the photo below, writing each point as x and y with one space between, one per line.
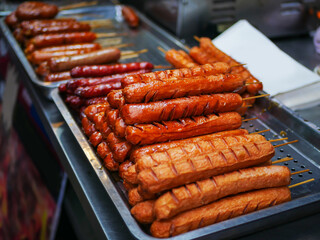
141 134
169 175
203 70
200 193
220 210
178 58
182 107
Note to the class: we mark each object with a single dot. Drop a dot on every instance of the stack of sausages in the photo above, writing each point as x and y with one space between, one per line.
55 46
207 52
174 138
91 84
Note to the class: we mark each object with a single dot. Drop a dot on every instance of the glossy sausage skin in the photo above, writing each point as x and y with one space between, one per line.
105 55
39 56
97 90
150 149
106 70
175 88
36 10
68 27
170 175
12 21
221 210
59 76
130 16
70 47
201 57
124 167
206 191
179 60
203 70
72 85
87 126
180 108
193 149
116 99
142 134
47 40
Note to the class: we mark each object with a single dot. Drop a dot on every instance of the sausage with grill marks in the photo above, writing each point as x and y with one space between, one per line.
203 70
116 99
203 192
175 88
170 175
179 60
193 149
141 134
221 210
180 108
150 149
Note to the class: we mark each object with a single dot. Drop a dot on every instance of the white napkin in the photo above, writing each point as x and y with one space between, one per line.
277 71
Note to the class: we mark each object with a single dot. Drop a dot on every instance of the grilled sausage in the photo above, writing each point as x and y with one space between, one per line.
39 56
193 149
203 192
95 138
124 167
116 99
103 149
54 77
131 175
87 126
106 70
141 134
150 149
175 88
91 110
201 57
203 70
170 175
119 147
36 10
179 60
105 55
128 186
206 191
70 47
96 100
67 27
130 16
109 162
221 210
85 82
98 90
134 197
180 108
47 40
12 21
143 211
120 127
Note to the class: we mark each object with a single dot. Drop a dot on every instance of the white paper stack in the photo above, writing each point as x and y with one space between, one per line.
289 81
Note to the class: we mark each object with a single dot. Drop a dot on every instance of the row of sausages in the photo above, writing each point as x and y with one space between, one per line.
183 204
58 45
169 184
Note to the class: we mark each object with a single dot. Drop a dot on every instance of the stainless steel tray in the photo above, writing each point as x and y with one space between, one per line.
305 198
144 37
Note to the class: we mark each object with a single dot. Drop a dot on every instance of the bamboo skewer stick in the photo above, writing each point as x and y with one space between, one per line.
196 38
279 139
282 160
300 183
106 35
302 171
161 49
254 97
161 66
132 53
262 131
78 5
283 144
249 119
